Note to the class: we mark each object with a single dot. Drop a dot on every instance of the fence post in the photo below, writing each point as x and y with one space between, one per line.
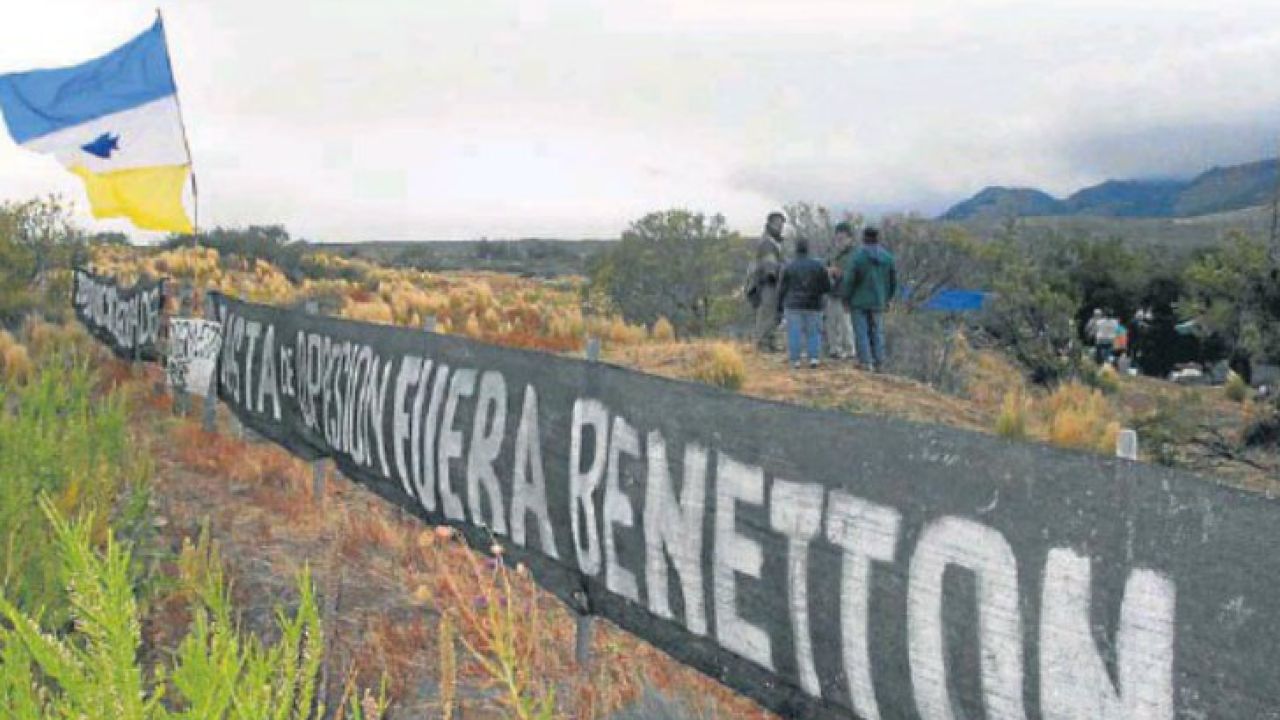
318 469
211 395
1127 444
582 641
181 398
237 425
429 325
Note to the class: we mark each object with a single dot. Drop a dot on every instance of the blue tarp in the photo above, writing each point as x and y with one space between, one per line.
956 300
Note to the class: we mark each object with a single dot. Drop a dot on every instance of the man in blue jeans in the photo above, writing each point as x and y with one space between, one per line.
870 281
800 294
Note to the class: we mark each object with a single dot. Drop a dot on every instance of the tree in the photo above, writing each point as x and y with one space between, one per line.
814 223
1233 293
930 257
1030 314
37 237
676 264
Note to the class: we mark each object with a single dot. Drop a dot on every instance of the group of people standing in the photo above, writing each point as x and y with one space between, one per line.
844 296
1113 342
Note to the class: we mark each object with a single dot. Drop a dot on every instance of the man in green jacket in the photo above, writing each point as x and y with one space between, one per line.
839 326
870 282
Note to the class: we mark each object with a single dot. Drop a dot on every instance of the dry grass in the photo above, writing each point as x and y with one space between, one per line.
663 330
720 364
1014 412
1236 389
500 309
1079 417
836 386
15 361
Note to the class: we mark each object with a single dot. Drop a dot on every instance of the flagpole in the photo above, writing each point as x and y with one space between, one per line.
191 163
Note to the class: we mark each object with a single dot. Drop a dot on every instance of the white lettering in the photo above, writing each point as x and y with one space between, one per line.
1074 682
865 532
735 553
676 528
583 483
461 385
795 510
528 482
618 510
984 552
487 430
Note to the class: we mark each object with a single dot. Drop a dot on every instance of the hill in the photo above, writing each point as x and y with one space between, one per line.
1177 234
1218 190
997 202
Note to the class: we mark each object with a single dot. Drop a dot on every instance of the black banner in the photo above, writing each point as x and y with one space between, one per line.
126 319
828 565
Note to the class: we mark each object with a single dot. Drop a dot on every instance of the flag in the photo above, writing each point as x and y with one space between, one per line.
113 121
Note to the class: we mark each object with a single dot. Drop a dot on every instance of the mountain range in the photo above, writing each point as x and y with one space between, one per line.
1220 189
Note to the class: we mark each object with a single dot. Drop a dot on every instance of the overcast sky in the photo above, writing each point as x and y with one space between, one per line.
434 119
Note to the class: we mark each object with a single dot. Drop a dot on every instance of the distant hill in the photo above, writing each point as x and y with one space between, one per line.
993 202
1215 191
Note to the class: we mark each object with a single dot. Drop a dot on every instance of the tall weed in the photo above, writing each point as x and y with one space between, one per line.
216 673
58 438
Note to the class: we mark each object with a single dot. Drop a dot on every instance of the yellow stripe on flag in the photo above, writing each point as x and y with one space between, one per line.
149 196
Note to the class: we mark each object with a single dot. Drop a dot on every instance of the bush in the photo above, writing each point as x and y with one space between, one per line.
1171 425
927 348
674 264
216 671
1103 378
1236 389
663 330
720 364
15 361
58 438
1012 421
1081 418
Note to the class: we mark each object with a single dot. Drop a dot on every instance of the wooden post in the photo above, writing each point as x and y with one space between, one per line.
582 640
181 398
211 395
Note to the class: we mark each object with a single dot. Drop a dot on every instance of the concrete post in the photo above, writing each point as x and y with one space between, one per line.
1127 444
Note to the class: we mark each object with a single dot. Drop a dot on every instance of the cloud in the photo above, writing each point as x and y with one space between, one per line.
573 117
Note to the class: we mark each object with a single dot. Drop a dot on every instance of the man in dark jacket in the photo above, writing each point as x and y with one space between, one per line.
870 282
801 292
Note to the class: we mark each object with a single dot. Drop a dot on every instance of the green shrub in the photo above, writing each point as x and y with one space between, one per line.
217 672
1103 378
58 438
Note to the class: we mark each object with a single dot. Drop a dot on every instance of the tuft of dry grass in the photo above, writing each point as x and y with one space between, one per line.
1014 411
1080 417
720 364
1236 389
663 330
15 361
